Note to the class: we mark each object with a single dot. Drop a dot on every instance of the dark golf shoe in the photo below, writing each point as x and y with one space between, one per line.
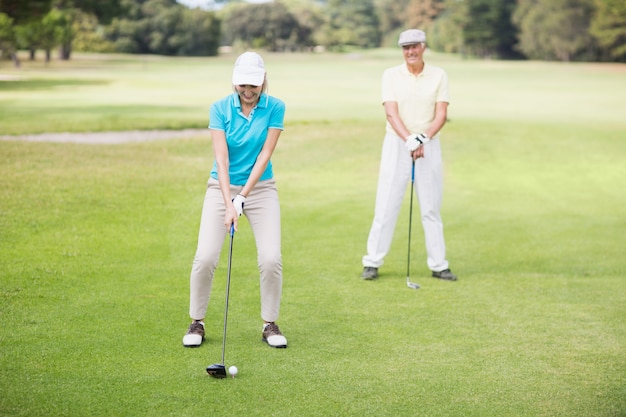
446 275
369 273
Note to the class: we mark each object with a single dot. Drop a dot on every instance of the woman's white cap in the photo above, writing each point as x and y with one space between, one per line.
249 69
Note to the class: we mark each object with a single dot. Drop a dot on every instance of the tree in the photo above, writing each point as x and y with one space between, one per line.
66 31
350 23
204 30
7 38
555 29
51 31
489 30
608 26
420 14
265 25
26 17
391 18
164 27
88 34
165 36
23 12
310 17
446 33
28 36
104 11
398 15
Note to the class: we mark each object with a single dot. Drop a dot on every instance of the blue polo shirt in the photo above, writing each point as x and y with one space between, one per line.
245 136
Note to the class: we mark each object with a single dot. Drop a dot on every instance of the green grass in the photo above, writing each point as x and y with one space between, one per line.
146 92
96 244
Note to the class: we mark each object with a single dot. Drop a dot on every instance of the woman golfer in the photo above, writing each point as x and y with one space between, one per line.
245 127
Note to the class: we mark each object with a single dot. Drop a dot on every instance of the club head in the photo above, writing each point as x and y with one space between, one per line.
412 285
217 370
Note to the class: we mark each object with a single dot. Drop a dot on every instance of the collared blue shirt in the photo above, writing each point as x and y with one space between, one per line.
245 136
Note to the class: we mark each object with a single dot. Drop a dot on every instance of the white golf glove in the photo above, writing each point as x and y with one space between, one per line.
414 141
238 202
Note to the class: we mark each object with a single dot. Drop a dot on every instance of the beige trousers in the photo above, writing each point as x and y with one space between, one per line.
262 210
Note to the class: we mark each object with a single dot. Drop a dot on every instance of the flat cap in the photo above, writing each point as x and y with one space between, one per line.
411 36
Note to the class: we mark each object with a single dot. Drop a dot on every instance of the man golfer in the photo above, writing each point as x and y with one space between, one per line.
415 98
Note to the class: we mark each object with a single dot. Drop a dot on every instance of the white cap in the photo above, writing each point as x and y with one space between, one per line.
249 69
411 37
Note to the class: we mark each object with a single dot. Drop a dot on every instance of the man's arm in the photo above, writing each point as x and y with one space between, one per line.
393 117
441 115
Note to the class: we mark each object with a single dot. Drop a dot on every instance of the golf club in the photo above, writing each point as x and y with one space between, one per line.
218 370
410 284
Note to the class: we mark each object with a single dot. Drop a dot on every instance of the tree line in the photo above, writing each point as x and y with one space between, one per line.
564 30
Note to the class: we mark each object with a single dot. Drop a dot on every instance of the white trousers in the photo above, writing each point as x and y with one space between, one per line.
262 209
395 173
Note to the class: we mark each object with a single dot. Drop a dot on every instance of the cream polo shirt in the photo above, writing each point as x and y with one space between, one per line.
416 95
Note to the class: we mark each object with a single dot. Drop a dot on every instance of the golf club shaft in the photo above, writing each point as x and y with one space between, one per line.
408 256
410 284
230 258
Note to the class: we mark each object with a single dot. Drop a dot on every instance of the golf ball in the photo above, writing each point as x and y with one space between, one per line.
233 371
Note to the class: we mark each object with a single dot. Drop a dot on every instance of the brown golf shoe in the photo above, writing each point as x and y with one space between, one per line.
195 334
273 337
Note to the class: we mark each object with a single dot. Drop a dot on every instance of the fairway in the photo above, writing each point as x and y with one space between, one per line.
96 244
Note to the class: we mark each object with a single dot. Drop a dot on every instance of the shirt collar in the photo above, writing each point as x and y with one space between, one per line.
405 70
263 100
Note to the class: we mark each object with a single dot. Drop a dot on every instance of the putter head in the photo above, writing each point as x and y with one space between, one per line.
217 370
412 285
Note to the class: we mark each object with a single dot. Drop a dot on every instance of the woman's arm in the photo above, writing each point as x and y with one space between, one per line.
262 160
220 150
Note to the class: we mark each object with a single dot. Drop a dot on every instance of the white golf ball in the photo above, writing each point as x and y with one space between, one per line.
233 371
